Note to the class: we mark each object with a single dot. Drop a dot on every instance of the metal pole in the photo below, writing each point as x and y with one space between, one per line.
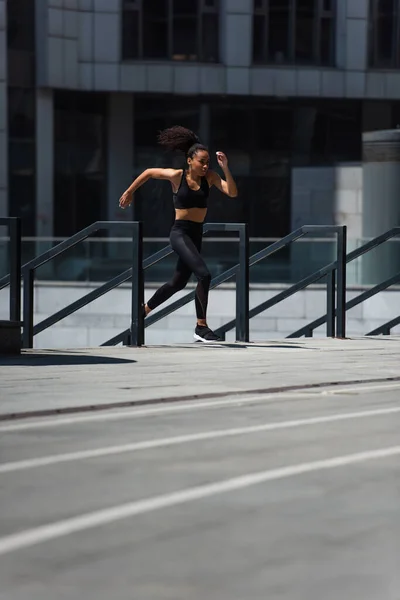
330 303
27 334
242 287
137 317
341 283
14 229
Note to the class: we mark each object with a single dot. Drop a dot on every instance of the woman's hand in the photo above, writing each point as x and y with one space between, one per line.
222 160
125 199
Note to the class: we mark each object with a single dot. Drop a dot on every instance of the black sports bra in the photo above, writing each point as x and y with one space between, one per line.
185 197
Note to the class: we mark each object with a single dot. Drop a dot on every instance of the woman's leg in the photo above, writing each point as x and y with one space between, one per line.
178 282
186 242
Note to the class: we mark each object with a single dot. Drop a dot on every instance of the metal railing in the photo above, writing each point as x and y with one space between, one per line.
240 271
28 276
14 279
336 273
374 243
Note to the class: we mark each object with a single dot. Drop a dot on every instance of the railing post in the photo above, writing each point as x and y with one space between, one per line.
14 229
242 287
137 317
330 303
341 283
27 332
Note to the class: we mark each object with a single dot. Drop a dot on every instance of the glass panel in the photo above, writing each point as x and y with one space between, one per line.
79 131
130 34
21 113
326 45
258 38
385 36
22 199
278 32
336 135
210 38
185 30
305 21
155 29
386 7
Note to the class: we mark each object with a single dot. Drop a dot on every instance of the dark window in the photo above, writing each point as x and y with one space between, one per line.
293 32
21 112
170 30
79 161
384 39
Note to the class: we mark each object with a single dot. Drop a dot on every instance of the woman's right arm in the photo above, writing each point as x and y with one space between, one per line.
127 196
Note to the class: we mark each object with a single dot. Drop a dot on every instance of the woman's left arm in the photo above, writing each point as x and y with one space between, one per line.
228 186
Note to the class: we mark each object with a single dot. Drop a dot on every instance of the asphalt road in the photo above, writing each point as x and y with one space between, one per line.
290 496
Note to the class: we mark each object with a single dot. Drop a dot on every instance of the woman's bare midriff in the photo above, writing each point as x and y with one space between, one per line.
190 214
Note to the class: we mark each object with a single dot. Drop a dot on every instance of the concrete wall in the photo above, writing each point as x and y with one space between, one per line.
80 43
328 196
109 315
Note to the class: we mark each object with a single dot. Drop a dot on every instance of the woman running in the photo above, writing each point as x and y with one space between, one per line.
190 187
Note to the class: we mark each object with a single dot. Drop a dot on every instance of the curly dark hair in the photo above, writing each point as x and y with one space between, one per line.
180 138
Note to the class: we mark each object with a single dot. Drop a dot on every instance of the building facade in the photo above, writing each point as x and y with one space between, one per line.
284 87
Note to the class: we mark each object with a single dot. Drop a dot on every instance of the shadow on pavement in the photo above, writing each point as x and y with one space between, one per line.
60 359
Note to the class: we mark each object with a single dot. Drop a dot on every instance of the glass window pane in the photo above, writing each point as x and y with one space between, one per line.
185 39
130 35
326 42
386 7
185 30
258 38
155 29
305 21
210 38
21 113
278 34
385 48
22 201
185 8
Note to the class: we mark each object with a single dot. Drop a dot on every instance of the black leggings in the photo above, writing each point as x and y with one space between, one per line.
186 238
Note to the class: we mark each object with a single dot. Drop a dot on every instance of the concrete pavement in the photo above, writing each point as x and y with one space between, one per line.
291 493
45 381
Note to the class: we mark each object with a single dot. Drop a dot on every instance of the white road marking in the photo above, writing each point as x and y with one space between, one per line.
44 533
184 439
186 406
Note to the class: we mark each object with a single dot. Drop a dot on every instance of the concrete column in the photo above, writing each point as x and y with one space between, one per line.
236 33
44 162
120 168
381 208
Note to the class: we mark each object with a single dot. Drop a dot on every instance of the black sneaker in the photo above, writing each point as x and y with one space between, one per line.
204 334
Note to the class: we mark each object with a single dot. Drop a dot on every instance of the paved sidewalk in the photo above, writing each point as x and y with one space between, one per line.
44 380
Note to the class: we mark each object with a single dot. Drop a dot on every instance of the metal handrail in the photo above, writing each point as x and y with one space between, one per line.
14 279
339 265
28 273
380 239
385 328
241 271
136 331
